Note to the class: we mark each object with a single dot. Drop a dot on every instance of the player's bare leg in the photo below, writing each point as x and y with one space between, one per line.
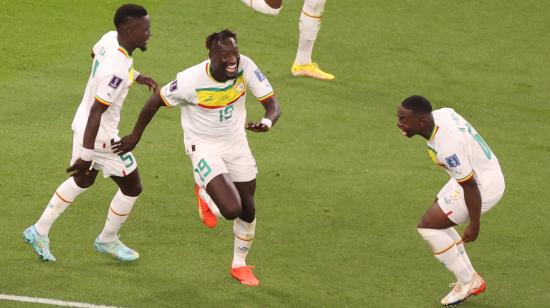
119 209
37 234
433 229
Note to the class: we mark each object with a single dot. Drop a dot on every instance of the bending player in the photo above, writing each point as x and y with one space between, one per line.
310 23
476 185
95 127
212 97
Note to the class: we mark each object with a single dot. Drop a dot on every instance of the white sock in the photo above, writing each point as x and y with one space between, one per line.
455 236
211 205
61 199
310 23
444 249
120 208
244 236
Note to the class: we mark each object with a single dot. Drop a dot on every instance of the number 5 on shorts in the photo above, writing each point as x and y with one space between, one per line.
203 170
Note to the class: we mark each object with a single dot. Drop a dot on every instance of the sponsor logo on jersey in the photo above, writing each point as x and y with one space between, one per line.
259 75
173 86
452 161
115 82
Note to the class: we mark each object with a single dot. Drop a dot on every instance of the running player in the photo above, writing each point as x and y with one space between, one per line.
212 98
310 23
475 186
95 128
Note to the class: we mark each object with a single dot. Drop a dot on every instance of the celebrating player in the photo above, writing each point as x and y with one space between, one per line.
95 128
476 185
310 23
212 98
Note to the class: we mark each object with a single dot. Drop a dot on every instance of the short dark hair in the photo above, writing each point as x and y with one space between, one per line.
220 37
128 11
418 104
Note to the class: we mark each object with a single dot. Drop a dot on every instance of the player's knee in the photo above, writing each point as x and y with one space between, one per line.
84 182
133 191
314 7
230 212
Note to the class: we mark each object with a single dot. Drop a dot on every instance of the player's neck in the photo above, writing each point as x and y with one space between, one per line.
125 45
427 133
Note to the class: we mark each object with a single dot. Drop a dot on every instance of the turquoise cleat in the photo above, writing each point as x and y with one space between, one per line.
40 244
117 249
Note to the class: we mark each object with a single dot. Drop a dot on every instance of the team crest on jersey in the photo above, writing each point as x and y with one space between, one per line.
115 82
452 161
173 86
239 87
259 75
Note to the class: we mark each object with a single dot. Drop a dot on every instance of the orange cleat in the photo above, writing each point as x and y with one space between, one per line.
208 218
245 276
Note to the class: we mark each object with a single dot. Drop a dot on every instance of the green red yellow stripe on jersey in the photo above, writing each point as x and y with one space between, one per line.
124 51
102 101
265 97
466 178
165 101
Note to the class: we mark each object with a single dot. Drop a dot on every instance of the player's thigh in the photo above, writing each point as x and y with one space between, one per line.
240 162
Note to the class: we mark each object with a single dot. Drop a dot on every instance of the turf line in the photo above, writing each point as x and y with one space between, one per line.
48 301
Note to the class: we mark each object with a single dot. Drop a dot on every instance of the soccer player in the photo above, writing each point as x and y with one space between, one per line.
95 128
310 23
212 98
476 185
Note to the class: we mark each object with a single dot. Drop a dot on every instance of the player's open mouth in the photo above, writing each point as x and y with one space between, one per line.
231 69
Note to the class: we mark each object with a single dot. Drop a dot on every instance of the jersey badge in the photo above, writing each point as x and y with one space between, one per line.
452 161
239 87
259 75
173 86
115 82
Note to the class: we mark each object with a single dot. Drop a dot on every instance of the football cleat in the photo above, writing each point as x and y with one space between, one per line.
40 244
310 70
117 249
461 291
208 218
245 276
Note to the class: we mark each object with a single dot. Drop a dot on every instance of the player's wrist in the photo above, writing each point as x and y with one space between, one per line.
267 122
87 154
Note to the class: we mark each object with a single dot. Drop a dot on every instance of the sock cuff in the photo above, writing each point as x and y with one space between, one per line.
68 191
244 230
313 8
438 240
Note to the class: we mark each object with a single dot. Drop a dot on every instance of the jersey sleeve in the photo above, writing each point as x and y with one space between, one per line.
110 86
176 92
456 161
256 80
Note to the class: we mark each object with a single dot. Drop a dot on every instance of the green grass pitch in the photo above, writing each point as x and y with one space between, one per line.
339 191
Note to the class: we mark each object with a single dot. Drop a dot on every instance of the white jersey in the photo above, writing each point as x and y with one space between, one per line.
110 79
211 109
457 147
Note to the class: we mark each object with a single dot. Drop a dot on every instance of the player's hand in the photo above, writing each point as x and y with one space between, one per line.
79 167
148 81
470 233
257 127
125 145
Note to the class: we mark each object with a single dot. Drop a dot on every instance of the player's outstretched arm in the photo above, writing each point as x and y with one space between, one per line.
129 142
472 196
83 163
272 114
148 81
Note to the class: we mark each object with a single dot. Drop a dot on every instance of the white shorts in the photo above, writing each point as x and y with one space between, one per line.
451 200
211 158
109 163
